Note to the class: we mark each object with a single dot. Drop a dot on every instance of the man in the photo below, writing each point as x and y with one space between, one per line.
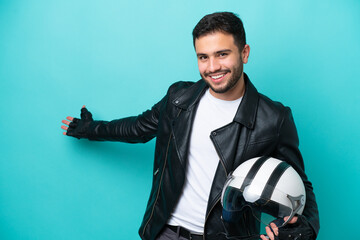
203 131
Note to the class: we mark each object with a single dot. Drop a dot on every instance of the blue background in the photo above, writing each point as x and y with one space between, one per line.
118 58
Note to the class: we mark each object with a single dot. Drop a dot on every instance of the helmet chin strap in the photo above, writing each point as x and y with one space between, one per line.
297 203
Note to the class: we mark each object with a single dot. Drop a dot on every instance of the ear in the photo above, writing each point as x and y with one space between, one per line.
245 53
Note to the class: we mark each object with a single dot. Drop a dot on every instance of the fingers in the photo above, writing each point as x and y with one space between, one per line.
66 122
72 120
269 233
69 118
274 228
85 114
65 127
292 221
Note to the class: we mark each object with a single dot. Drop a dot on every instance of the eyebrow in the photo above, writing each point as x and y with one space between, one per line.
217 52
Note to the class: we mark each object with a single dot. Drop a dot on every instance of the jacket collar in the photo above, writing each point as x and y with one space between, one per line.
246 112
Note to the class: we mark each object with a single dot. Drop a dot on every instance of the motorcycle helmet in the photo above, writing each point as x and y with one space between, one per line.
267 186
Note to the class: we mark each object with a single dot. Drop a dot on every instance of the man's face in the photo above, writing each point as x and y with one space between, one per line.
221 64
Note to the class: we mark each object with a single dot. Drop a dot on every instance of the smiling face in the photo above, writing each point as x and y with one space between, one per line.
221 64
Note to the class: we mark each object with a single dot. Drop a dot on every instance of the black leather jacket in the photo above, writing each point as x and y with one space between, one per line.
260 127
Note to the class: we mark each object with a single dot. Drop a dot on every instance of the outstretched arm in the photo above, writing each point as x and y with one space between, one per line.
136 129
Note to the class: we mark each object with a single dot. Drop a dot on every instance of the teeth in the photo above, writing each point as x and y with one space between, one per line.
217 77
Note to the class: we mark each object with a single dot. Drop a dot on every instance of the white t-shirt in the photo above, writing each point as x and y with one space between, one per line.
212 113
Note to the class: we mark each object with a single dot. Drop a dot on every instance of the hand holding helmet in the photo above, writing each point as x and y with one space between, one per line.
297 229
270 189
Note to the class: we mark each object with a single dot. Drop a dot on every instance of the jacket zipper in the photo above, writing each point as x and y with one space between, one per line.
207 216
162 174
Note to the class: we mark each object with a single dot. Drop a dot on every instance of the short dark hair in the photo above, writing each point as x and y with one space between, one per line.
226 22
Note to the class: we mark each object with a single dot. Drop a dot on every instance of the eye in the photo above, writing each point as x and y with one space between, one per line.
202 57
223 54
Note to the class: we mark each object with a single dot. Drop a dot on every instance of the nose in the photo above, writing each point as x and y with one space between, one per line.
214 65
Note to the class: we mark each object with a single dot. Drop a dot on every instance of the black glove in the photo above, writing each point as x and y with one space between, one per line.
301 230
78 127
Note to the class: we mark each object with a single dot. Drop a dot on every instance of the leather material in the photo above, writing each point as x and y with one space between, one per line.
78 127
260 127
301 230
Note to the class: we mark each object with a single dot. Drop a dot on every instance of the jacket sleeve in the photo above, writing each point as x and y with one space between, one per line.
287 148
136 129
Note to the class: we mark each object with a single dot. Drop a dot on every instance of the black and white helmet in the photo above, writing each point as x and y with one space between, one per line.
271 188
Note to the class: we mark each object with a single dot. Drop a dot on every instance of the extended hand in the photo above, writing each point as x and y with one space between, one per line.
78 127
298 228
